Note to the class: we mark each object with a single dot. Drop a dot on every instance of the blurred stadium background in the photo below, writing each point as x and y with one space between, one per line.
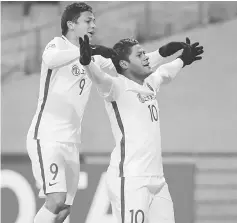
198 109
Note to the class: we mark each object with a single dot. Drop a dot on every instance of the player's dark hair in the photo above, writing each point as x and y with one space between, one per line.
123 49
71 13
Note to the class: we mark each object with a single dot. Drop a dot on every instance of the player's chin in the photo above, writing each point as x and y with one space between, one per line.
147 70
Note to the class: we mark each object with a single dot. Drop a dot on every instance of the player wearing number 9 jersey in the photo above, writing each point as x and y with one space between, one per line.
53 140
137 188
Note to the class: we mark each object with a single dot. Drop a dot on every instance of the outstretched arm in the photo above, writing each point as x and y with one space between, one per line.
107 86
158 57
102 80
167 72
106 65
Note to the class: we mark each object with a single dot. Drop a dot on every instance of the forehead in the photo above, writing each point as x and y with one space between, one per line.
137 48
86 15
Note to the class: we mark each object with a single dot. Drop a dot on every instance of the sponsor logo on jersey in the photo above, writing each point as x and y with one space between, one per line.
52 45
144 98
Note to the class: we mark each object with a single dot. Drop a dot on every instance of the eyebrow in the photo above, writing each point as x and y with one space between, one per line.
141 51
91 18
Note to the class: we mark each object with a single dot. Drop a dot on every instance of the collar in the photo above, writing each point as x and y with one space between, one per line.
135 87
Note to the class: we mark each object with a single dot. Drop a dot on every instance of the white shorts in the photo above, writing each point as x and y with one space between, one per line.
140 199
55 166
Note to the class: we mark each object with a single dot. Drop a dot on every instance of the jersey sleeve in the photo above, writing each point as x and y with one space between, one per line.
57 53
155 58
165 73
106 65
108 87
116 89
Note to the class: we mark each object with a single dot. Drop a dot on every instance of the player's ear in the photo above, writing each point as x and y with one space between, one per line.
123 64
70 25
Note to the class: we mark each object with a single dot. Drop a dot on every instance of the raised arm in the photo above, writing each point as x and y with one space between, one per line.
105 65
107 86
102 57
102 80
165 73
58 54
158 57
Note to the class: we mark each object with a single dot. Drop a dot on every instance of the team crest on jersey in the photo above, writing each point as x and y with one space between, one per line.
143 98
76 71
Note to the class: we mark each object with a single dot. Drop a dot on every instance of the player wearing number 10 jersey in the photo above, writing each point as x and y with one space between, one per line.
137 188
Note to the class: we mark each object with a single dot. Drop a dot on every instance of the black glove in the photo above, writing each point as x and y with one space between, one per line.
85 50
191 53
171 48
103 51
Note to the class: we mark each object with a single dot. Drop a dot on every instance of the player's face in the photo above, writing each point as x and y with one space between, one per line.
85 25
139 65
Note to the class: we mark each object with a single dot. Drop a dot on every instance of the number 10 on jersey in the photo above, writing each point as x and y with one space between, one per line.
153 112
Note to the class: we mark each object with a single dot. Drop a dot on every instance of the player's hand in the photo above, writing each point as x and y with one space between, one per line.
85 50
191 52
103 51
171 48
198 50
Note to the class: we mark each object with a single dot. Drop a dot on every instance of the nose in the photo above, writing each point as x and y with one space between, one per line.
93 25
146 58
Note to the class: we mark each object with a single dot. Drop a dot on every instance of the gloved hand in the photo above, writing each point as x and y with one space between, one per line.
171 48
85 50
191 52
103 51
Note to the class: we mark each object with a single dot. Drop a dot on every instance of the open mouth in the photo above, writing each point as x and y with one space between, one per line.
146 65
91 33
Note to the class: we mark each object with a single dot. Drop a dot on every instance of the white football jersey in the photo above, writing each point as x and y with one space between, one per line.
134 116
64 91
